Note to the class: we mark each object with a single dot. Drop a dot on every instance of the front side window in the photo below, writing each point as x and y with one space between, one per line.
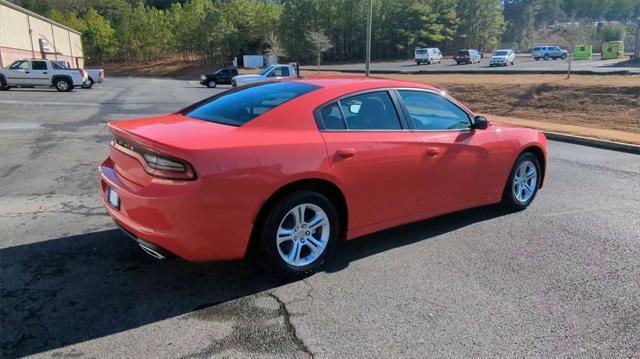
431 111
370 111
39 65
19 65
280 72
266 70
246 103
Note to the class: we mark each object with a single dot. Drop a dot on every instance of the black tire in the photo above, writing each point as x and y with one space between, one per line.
63 85
269 251
88 85
418 63
509 199
537 58
211 84
3 84
564 56
546 57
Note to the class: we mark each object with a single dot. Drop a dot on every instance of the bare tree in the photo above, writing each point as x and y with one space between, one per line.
275 47
320 43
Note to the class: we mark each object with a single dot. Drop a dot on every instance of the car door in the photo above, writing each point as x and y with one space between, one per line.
460 167
39 73
374 157
18 73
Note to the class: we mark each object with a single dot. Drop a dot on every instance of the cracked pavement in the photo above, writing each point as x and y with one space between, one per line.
561 279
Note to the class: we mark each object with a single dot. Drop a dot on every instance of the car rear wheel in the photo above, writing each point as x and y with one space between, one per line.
564 56
299 234
545 57
537 58
63 85
523 182
211 84
88 84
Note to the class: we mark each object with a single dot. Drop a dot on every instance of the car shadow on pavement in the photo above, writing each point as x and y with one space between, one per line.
72 289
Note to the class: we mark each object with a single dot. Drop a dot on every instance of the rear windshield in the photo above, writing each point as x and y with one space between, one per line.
463 53
421 52
237 107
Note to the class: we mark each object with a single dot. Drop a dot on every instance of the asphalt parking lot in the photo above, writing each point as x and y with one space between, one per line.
561 279
523 63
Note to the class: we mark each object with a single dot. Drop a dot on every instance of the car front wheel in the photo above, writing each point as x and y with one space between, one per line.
211 84
299 234
523 182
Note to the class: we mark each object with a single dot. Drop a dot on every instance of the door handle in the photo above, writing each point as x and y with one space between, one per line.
345 153
432 152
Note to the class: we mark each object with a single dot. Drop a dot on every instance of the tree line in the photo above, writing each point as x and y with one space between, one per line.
218 30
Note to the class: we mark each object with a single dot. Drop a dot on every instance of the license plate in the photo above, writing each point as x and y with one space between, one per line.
114 198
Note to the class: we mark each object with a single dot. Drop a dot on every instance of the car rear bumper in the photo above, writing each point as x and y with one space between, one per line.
173 218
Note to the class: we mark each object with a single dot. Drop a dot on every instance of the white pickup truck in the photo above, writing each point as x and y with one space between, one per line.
273 72
41 72
93 75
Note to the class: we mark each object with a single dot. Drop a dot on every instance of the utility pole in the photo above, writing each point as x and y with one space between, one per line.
368 61
636 54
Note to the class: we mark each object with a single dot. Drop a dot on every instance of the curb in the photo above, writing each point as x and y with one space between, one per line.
593 142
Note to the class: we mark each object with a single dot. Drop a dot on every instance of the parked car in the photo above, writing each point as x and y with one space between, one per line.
284 170
93 75
504 57
41 72
273 72
549 52
428 56
221 76
467 57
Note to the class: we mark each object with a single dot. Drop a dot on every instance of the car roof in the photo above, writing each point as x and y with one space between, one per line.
348 84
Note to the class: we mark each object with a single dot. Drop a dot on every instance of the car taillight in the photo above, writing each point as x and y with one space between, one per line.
101 73
154 163
81 73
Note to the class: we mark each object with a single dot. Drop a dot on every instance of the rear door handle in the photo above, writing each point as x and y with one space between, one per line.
432 152
345 153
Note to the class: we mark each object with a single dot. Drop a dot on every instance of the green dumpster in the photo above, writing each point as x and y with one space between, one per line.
582 52
612 50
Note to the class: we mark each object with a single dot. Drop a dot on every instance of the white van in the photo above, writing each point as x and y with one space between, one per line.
428 55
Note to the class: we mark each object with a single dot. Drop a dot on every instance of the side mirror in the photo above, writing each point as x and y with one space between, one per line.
480 123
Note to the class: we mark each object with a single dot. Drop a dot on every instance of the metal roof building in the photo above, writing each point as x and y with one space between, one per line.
25 34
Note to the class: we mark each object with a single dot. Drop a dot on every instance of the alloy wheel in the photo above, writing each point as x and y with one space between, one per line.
525 181
303 235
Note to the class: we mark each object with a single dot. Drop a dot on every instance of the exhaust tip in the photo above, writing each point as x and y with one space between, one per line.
151 252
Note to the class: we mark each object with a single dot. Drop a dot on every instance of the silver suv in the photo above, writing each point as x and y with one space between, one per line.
549 52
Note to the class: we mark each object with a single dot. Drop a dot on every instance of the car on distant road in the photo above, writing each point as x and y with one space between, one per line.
222 76
470 56
428 55
41 72
549 52
284 170
503 57
272 72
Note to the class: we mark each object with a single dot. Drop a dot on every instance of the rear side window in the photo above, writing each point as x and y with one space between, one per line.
430 111
280 72
237 107
332 117
370 111
39 65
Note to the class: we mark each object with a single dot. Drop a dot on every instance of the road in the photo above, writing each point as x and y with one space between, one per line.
522 64
561 279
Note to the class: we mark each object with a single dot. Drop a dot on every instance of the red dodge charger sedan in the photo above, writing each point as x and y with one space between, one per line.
289 168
